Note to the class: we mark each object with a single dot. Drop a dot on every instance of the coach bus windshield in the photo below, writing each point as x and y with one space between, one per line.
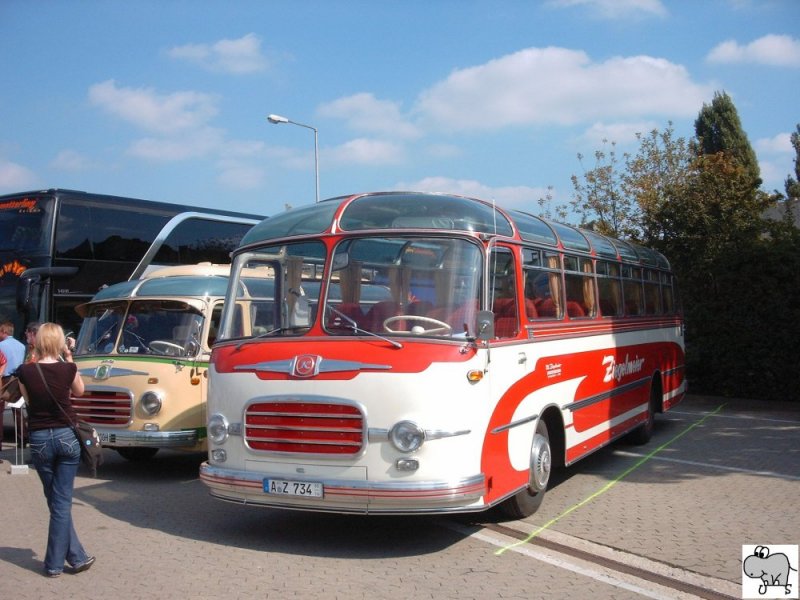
385 285
25 225
156 327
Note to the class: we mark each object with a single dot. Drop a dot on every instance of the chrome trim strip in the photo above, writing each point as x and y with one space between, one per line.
377 434
606 395
513 424
324 365
148 439
103 372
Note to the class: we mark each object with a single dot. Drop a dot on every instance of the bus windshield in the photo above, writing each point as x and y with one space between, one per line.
25 225
157 327
385 285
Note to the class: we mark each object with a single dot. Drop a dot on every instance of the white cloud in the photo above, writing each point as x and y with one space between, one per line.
160 113
561 86
780 144
15 177
616 9
773 50
240 175
194 144
364 151
365 113
70 160
621 133
240 56
520 196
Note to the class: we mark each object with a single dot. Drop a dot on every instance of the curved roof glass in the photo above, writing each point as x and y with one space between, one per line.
410 210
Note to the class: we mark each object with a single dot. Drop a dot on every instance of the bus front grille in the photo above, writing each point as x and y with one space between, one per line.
304 428
104 407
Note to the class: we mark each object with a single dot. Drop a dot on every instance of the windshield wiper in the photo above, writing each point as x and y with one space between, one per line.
280 329
356 329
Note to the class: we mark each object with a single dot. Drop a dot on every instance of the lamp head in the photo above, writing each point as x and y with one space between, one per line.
277 119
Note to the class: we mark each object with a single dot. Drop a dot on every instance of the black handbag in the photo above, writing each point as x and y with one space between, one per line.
91 450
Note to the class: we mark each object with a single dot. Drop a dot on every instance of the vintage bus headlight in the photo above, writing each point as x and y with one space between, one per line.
151 403
217 428
406 436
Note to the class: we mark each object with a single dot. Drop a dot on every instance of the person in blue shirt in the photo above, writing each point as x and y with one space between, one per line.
14 352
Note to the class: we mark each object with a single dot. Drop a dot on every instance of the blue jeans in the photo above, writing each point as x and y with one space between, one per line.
56 454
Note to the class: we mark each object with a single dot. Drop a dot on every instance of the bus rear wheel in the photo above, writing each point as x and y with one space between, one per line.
642 434
137 454
526 502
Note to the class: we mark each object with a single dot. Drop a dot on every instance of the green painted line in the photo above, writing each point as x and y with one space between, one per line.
611 483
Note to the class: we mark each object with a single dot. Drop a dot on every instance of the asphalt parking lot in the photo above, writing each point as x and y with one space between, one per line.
719 474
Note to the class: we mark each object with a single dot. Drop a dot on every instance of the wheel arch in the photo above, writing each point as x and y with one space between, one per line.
555 429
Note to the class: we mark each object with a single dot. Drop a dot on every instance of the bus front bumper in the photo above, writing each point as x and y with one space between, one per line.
126 438
349 496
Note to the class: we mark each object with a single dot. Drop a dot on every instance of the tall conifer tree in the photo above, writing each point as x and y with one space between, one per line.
718 129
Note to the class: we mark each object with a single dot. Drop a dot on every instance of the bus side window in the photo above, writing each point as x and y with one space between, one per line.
652 293
504 294
579 286
543 299
632 290
609 289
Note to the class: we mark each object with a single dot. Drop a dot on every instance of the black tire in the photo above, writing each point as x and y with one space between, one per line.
644 432
526 502
137 454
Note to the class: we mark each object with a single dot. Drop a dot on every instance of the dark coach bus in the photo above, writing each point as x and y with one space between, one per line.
59 247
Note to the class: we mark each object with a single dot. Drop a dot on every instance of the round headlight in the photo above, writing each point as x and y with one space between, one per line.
217 428
406 436
151 403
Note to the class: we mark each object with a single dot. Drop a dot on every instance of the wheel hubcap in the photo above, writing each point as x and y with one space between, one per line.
541 463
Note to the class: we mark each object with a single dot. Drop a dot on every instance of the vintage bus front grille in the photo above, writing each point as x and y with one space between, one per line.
304 428
104 407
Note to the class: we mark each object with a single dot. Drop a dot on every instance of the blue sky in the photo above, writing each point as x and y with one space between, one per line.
167 100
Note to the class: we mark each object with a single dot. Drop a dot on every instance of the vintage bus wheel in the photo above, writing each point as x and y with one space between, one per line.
526 502
137 454
642 434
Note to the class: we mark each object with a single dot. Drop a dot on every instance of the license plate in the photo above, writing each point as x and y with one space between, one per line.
282 487
103 438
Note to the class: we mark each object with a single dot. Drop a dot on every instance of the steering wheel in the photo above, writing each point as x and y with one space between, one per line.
441 326
168 348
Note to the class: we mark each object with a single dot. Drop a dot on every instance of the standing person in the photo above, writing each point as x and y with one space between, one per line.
14 352
30 337
55 449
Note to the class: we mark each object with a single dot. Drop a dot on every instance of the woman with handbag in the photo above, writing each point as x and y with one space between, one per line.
55 450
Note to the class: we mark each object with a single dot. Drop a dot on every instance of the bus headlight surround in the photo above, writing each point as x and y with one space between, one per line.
151 402
407 436
217 428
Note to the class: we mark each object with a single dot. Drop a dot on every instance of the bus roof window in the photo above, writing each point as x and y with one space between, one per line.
423 211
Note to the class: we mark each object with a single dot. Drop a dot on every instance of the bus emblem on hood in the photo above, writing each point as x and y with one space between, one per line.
305 365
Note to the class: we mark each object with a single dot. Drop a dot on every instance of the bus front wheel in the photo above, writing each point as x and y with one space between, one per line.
526 502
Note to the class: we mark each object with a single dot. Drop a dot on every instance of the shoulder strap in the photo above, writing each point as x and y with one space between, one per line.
53 398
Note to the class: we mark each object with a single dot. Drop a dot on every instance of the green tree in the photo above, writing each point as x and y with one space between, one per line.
793 183
599 197
718 129
657 176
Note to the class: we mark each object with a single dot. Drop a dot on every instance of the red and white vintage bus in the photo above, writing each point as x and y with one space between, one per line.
418 353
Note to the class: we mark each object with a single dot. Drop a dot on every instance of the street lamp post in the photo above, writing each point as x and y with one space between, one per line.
277 119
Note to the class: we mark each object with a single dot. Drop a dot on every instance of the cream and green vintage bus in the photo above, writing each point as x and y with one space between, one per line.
143 352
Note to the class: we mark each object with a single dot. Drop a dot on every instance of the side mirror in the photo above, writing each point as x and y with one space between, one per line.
485 324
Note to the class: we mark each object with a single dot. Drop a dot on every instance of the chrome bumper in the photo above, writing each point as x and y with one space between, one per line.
350 496
117 438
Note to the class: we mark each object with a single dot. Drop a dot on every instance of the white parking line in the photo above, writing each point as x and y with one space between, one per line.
561 561
710 465
730 416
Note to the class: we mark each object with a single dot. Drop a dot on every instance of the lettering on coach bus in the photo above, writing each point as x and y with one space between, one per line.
616 371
